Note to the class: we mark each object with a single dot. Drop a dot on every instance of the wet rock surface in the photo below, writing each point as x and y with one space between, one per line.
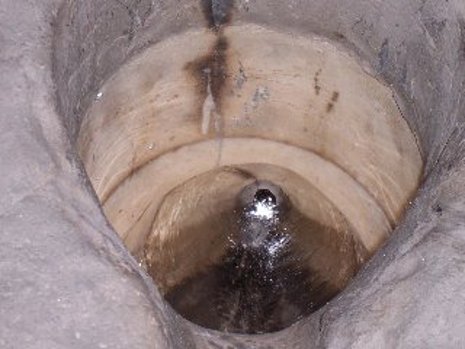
261 284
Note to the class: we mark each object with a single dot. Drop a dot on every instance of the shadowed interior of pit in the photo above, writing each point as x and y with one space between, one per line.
178 133
264 282
313 96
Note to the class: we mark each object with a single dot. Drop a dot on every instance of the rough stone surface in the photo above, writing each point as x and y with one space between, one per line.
67 281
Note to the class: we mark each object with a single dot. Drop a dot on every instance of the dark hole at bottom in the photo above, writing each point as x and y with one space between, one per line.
245 295
265 195
260 286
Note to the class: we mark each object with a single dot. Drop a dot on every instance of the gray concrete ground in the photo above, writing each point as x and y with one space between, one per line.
66 279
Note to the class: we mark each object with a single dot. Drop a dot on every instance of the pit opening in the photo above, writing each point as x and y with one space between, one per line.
190 134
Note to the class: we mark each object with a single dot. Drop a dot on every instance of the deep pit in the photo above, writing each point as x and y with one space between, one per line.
333 100
238 254
179 132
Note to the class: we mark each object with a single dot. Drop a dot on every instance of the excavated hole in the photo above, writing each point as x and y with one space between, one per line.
237 253
251 172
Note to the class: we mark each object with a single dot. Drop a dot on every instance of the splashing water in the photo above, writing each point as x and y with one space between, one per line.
265 209
260 219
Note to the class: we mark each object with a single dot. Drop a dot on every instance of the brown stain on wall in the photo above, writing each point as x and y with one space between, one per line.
316 82
332 102
217 13
212 67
